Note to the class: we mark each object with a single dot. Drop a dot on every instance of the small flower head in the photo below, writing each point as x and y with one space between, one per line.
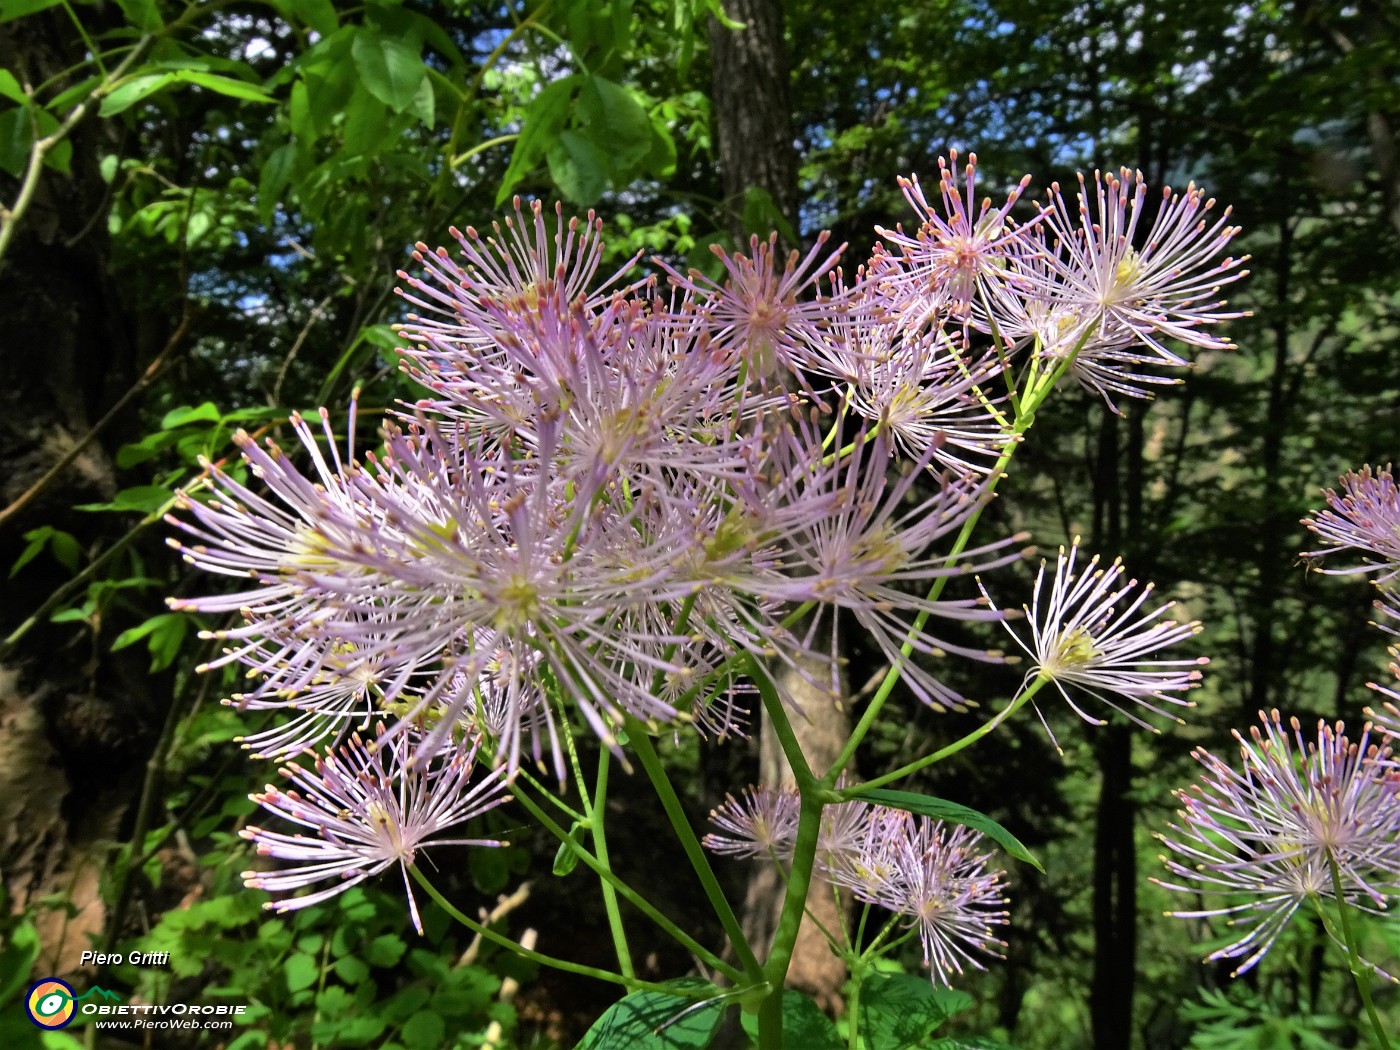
368 806
1268 833
1089 632
1363 519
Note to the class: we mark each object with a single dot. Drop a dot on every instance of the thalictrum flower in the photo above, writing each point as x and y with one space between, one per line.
1090 632
1153 283
1363 520
367 808
1267 833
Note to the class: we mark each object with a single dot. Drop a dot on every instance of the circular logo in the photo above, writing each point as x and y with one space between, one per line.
50 1003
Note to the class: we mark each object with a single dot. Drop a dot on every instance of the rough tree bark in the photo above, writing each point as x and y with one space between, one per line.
752 115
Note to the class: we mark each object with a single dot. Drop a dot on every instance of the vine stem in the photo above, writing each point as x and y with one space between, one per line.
485 932
1359 972
596 814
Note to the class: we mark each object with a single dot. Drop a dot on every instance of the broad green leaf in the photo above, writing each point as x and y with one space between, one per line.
579 167
12 9
424 1031
390 69
10 89
207 412
132 91
16 138
804 1024
942 809
424 103
366 124
142 14
898 1011
657 1021
273 179
384 950
612 118
301 971
540 126
318 14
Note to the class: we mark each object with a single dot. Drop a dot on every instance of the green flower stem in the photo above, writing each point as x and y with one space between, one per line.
1359 971
813 795
596 814
630 895
952 749
1038 387
627 981
641 743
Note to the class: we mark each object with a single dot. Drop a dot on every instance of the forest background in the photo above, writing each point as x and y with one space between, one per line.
204 208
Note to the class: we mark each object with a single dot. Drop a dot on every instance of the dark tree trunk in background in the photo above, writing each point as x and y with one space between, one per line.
752 115
1117 487
752 111
74 717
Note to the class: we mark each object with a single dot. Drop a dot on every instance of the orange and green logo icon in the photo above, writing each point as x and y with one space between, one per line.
50 1003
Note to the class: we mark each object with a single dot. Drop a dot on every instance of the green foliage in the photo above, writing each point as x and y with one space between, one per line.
804 1024
656 1020
953 813
1243 1020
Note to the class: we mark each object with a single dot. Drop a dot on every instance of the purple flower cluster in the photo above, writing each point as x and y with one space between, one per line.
1296 819
931 872
617 490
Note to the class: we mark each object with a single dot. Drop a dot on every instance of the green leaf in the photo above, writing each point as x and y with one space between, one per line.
142 14
143 499
578 167
424 103
207 412
366 123
898 1011
390 69
566 857
273 179
351 969
612 118
318 14
540 127
130 92
301 971
941 809
229 86
385 950
16 138
424 1031
9 87
658 1021
12 9
17 958
804 1024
